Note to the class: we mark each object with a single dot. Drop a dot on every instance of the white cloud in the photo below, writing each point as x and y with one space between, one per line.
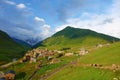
37 19
21 6
46 27
43 29
10 2
107 23
46 31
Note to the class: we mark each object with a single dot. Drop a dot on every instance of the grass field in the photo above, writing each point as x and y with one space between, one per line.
73 44
48 68
83 73
25 70
105 56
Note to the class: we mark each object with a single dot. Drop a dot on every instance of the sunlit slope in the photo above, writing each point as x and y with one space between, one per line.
106 56
75 38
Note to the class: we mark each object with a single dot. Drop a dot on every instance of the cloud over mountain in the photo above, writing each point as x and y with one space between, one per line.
107 22
19 23
31 19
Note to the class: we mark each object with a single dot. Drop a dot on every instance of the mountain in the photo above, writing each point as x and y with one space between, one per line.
9 49
74 38
33 41
21 42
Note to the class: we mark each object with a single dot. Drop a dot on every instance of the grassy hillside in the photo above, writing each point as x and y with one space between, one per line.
74 38
81 73
25 70
105 56
9 49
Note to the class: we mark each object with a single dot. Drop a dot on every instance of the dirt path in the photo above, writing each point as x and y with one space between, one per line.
35 72
7 65
44 77
51 73
113 68
31 77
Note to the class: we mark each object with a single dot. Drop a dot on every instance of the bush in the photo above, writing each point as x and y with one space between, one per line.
65 49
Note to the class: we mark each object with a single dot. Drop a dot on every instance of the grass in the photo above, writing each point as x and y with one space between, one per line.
105 56
76 38
25 70
74 44
48 68
83 73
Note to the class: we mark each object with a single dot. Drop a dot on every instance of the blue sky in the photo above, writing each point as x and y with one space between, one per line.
39 19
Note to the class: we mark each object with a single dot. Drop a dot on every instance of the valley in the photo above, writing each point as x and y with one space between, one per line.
59 40
82 55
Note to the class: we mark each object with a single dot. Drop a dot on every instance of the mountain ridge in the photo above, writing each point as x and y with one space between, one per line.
10 49
85 32
70 36
21 42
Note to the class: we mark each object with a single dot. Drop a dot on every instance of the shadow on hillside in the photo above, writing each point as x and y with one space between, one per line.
20 76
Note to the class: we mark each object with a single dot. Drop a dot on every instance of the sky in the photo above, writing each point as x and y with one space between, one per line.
39 19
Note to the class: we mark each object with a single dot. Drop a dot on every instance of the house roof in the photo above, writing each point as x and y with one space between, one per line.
10 71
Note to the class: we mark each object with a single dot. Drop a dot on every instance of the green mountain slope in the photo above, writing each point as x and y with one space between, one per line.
10 49
106 56
76 38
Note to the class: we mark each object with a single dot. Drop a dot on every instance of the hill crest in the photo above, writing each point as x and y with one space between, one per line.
75 37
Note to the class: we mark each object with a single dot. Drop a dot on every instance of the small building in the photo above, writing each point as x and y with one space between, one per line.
10 75
99 45
59 51
50 58
83 51
69 54
33 60
53 61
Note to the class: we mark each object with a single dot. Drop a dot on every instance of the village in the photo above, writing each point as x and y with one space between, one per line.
35 56
52 56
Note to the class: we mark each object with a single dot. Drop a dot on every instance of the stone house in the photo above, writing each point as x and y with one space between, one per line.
83 51
69 54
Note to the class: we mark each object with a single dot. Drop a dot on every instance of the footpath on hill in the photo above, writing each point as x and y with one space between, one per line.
8 64
44 77
113 67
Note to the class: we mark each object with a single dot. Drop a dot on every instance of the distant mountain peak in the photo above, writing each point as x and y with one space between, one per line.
75 36
72 32
69 27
